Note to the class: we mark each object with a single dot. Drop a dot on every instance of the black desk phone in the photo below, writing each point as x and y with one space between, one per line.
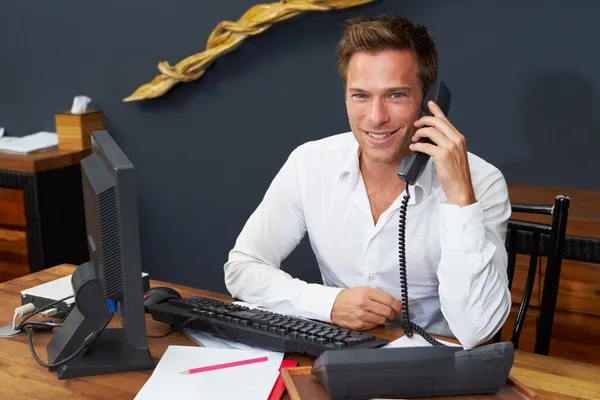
410 170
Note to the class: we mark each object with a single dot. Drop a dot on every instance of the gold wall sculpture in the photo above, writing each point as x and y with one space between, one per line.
227 36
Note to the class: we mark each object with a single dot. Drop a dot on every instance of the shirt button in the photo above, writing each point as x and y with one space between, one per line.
464 228
371 278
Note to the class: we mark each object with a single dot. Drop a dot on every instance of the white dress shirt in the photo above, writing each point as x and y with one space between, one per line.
455 257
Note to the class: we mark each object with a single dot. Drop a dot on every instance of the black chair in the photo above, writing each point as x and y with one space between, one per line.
537 239
584 249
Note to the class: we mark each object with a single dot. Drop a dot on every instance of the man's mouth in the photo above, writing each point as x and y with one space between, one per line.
380 135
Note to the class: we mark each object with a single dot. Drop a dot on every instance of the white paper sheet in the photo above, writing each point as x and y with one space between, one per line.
253 381
207 340
212 341
29 143
416 341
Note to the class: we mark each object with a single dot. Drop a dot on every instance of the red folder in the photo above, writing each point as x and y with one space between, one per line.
279 386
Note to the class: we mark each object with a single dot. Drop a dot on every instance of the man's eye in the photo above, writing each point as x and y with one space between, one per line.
359 96
397 95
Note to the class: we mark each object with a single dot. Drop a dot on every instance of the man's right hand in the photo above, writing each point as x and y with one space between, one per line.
364 308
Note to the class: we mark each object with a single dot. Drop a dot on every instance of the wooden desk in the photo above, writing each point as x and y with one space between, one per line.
22 377
41 211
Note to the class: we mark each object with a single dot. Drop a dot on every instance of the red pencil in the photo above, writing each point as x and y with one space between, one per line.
225 365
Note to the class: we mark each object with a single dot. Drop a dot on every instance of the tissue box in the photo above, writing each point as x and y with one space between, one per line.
75 130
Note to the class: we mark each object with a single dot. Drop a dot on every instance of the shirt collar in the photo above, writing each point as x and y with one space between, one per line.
351 171
350 168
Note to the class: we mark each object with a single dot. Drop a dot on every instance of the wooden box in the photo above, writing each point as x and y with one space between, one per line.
75 130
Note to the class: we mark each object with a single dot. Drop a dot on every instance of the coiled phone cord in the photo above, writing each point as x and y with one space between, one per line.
407 324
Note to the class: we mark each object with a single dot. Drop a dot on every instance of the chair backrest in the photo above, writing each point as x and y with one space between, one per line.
583 249
537 240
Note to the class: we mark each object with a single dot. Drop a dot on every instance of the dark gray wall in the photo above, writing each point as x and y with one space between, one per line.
524 77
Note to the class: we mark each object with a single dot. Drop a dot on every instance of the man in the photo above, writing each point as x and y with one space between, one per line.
344 191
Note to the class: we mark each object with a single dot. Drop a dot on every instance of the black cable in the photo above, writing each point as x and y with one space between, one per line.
407 324
86 343
39 326
402 261
172 330
67 312
195 318
20 326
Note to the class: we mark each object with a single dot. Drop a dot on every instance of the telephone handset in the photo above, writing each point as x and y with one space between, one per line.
412 166
410 170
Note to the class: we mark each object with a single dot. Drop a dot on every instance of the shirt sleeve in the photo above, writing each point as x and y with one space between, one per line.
473 281
252 271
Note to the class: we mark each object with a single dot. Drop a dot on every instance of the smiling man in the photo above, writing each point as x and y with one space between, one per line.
345 193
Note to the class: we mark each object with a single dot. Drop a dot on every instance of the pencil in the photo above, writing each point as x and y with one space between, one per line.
225 365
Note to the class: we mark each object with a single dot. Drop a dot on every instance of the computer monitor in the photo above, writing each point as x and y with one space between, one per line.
112 279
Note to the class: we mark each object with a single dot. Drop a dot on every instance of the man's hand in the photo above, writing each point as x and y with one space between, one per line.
450 155
364 308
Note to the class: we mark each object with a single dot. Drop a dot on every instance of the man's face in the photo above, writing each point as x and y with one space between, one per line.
383 100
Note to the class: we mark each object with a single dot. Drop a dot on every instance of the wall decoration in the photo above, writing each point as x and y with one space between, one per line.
228 35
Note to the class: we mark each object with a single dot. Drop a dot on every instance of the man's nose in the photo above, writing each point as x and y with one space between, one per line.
379 113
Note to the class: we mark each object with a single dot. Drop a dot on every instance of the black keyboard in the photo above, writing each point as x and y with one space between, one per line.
260 328
414 371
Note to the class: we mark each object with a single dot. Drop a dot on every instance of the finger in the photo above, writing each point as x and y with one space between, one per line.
369 317
436 136
436 110
361 326
382 310
385 299
427 148
442 125
353 323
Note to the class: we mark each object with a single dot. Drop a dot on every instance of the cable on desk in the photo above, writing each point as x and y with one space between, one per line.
86 343
187 322
173 330
39 326
20 326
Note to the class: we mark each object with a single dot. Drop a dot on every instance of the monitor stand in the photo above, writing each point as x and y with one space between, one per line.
110 352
